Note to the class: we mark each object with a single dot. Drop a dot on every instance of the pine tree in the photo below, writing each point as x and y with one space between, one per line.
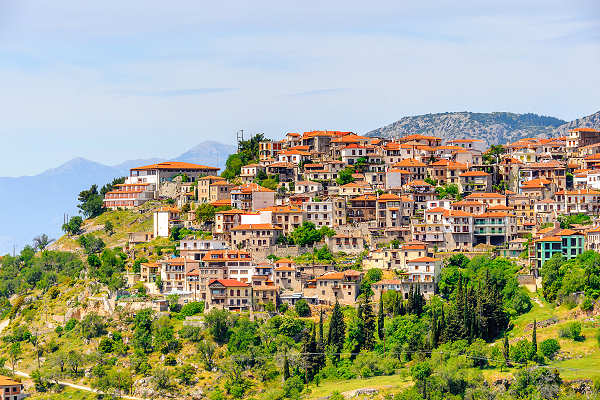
380 319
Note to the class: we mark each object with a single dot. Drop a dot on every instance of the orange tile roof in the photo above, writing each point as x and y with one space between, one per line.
484 196
229 283
221 203
252 187
409 162
211 177
255 227
284 268
5 381
474 173
422 259
388 197
175 165
418 183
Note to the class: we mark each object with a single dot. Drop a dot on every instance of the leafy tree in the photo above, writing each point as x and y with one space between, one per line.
15 354
205 212
73 227
568 220
345 176
306 234
549 348
142 334
247 153
492 156
41 242
219 323
109 228
302 308
207 350
192 308
449 191
186 374
91 244
420 373
90 202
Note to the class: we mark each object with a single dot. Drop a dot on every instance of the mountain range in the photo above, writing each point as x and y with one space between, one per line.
493 128
36 204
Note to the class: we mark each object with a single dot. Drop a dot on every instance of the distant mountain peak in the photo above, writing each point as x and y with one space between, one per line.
493 128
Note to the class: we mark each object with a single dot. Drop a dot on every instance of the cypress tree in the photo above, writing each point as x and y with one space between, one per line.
337 331
369 323
380 319
411 301
321 327
286 367
320 347
398 304
534 340
506 349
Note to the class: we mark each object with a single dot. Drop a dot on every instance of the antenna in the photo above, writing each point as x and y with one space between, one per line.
240 138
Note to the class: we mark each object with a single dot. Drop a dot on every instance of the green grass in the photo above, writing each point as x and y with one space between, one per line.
388 384
577 368
68 394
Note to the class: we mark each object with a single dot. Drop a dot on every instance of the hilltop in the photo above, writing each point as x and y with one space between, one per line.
493 128
44 198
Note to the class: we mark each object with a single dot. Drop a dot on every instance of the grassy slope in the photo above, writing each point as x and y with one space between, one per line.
585 354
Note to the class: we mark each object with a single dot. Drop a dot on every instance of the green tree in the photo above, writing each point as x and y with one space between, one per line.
73 227
205 212
219 324
41 242
90 202
306 234
142 334
345 176
109 228
420 373
186 374
380 319
337 331
302 308
549 348
15 354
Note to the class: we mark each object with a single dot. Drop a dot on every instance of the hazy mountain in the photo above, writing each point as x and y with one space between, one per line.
31 205
591 121
493 128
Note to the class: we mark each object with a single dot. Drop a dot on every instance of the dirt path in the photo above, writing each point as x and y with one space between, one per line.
79 387
4 324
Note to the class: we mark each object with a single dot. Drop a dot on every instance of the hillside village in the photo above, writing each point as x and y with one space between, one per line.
401 205
320 258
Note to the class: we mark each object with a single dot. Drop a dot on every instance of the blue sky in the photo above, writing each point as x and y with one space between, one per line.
117 80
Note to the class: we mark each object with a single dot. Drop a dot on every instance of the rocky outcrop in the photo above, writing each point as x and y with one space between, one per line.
493 128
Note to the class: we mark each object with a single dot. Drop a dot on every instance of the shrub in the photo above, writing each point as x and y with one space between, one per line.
519 352
302 308
587 304
53 292
70 324
549 348
193 308
571 330
192 333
